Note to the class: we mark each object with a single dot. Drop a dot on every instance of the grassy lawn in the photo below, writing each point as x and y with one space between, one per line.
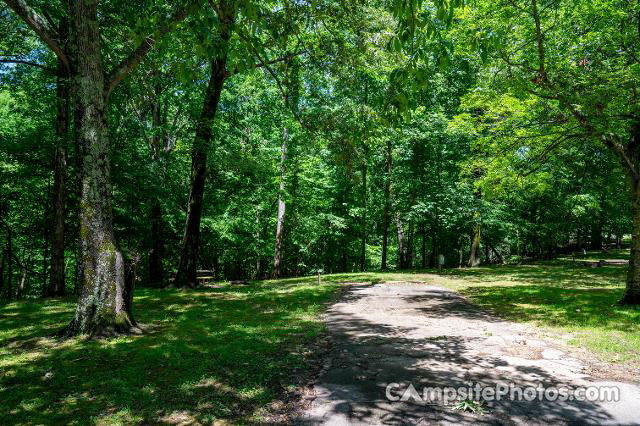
209 354
224 354
563 298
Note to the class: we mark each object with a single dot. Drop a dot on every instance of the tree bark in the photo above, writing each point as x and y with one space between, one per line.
22 286
56 285
9 264
363 219
3 261
156 270
474 259
256 235
101 304
410 246
45 238
402 259
186 275
387 204
423 250
632 290
277 258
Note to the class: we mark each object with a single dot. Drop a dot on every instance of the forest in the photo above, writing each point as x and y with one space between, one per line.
156 149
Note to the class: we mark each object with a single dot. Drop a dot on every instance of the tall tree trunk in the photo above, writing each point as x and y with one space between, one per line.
256 235
410 246
423 250
45 239
596 228
474 255
22 286
277 258
387 204
56 285
3 262
632 291
402 256
156 270
186 275
101 306
160 148
474 259
9 264
363 219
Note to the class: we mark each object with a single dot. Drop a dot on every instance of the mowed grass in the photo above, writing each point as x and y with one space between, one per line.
208 355
225 354
563 297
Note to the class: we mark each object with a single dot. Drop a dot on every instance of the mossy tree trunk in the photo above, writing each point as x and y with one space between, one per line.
101 304
104 300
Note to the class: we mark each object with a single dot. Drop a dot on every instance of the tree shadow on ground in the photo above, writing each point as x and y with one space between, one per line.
370 354
554 306
555 274
208 354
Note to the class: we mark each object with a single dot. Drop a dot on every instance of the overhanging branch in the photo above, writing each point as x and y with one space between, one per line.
41 27
134 58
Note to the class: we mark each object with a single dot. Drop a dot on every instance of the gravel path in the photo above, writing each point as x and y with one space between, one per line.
419 334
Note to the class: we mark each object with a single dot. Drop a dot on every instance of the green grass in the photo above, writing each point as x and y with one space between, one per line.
224 354
209 354
563 298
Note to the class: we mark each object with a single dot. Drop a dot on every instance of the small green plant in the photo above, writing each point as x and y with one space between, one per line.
471 406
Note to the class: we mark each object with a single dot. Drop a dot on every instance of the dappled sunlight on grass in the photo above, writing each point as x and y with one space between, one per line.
560 296
226 351
207 354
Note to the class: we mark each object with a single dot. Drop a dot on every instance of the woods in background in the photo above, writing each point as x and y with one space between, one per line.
264 139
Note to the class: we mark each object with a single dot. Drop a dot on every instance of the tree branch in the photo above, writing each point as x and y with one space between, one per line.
622 153
41 27
265 63
33 64
130 62
536 18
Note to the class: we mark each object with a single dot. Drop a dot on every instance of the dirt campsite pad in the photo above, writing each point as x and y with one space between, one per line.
402 334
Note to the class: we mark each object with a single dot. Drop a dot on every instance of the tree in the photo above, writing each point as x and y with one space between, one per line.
226 12
579 63
101 304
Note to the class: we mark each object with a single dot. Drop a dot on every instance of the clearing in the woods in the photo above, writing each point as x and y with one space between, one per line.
261 351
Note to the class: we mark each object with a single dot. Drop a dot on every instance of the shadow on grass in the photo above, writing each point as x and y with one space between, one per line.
554 306
208 354
553 274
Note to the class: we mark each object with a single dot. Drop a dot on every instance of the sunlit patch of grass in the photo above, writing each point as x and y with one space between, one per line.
223 354
208 354
562 297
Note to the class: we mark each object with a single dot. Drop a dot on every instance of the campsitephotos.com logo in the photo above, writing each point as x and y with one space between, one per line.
396 392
